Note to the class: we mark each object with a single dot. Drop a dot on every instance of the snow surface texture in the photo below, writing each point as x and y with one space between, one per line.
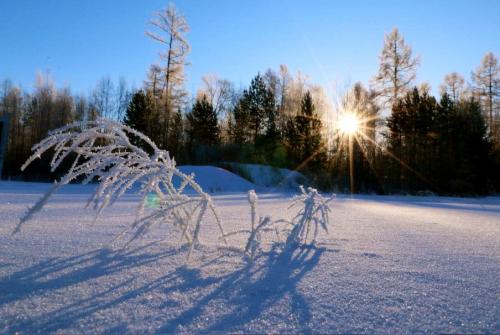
389 265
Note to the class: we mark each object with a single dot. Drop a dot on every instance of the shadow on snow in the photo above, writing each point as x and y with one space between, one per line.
241 295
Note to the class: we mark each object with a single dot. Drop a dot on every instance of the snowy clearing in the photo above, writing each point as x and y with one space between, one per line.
389 265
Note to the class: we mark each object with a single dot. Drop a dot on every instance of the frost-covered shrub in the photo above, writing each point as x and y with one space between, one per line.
259 225
105 152
312 214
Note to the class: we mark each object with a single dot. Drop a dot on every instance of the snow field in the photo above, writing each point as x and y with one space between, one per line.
389 265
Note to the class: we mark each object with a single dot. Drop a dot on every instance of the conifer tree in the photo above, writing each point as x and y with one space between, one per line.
135 115
261 107
241 114
304 139
140 115
203 125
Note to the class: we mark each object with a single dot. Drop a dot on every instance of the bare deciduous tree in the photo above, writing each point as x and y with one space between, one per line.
487 86
102 97
171 29
397 68
453 85
219 92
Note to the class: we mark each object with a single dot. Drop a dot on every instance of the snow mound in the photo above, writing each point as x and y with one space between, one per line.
212 180
267 176
215 180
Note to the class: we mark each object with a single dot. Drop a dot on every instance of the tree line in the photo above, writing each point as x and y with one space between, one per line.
407 141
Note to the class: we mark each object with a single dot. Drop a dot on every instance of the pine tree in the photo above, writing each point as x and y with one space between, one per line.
203 124
410 139
261 108
255 114
470 149
135 115
176 136
304 140
440 147
241 132
140 115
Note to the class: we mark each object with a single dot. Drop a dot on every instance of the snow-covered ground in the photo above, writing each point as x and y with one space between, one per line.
389 265
270 177
215 180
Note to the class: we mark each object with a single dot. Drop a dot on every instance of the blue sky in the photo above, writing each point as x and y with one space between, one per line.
331 41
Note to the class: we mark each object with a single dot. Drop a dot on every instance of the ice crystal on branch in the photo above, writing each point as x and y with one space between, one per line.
313 214
105 151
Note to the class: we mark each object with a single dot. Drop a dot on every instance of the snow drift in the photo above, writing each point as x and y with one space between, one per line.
215 180
276 179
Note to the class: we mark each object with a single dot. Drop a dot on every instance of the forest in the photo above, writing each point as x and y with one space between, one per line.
406 141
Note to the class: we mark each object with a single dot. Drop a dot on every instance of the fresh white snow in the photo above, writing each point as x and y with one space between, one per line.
389 265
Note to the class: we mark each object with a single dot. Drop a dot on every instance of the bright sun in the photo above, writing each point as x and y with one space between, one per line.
349 123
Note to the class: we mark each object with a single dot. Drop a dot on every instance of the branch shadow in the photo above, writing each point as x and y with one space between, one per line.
248 292
56 273
245 292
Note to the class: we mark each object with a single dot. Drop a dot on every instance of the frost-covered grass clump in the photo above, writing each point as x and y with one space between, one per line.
312 214
107 151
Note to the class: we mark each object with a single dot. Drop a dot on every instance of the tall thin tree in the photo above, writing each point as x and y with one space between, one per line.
453 85
397 68
172 28
487 86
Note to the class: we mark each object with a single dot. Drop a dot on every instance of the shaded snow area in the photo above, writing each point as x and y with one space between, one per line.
215 180
276 179
389 265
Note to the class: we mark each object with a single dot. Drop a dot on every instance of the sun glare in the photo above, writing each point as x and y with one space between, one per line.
349 124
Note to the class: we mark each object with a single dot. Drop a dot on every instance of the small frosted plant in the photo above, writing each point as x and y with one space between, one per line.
313 215
105 152
303 228
258 225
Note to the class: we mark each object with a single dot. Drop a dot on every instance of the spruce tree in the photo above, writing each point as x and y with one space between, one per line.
304 139
203 125
261 108
470 149
141 115
135 115
241 114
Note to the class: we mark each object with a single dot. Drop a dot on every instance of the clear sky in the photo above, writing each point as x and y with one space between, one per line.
79 41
